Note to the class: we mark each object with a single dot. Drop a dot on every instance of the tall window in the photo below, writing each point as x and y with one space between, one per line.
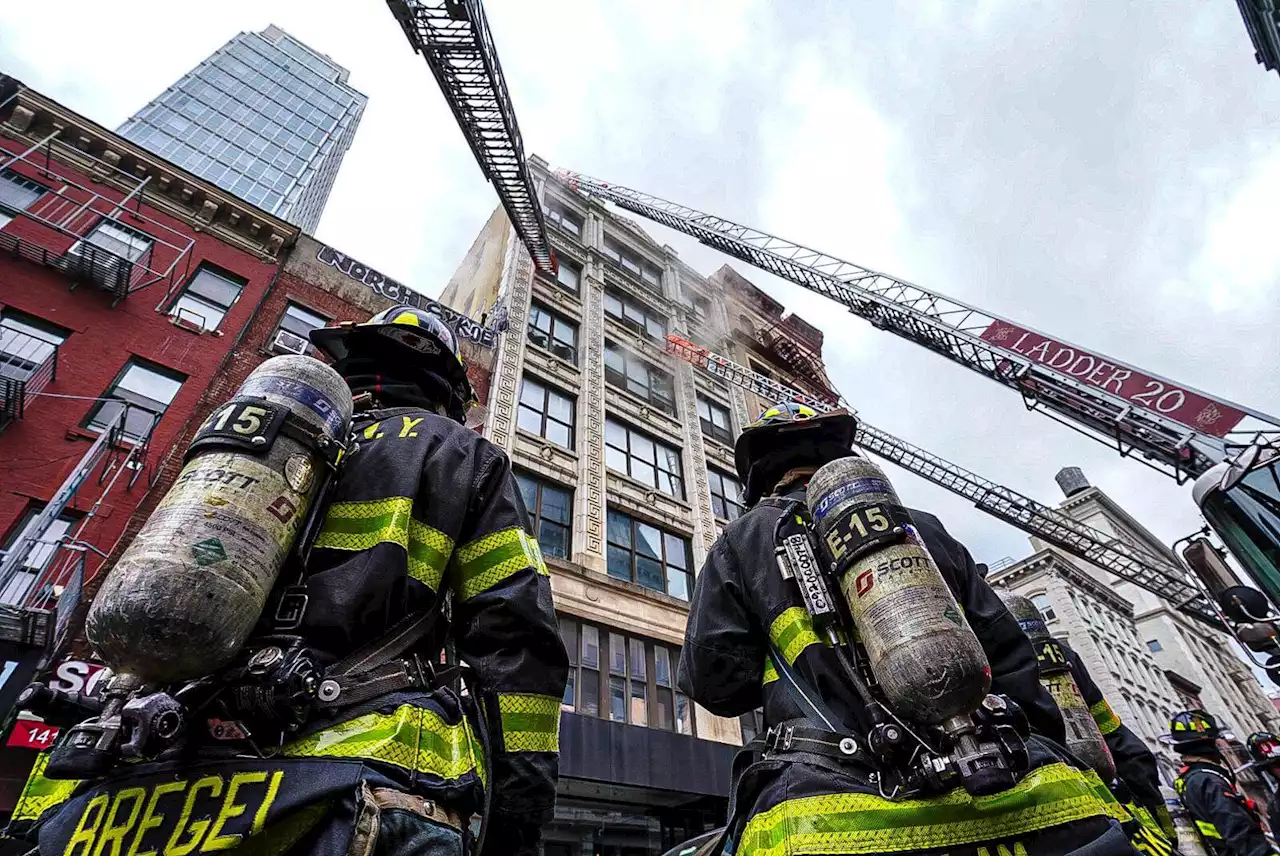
117 239
565 219
547 412
638 687
568 274
557 334
295 325
714 419
41 554
26 343
627 371
207 298
16 194
726 495
635 316
147 388
644 459
642 553
1045 606
550 508
632 262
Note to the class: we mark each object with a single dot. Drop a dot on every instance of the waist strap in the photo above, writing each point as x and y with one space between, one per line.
795 737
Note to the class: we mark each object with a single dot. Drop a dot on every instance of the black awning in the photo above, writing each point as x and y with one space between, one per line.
618 753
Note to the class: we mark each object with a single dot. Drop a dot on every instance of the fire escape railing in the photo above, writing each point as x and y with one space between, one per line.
94 231
27 365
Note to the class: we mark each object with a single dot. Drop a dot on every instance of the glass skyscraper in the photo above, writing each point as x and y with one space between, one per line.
265 117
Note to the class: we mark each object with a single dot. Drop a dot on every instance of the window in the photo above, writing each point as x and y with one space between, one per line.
644 459
117 239
549 330
295 324
546 412
639 688
1154 646
644 554
148 389
715 421
568 275
207 298
19 586
632 263
16 194
26 343
1043 604
550 508
635 316
564 218
726 495
635 375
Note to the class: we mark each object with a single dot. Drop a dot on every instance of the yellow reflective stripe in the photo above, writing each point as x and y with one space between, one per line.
489 560
530 723
851 823
770 671
1208 830
364 525
1108 799
413 738
792 632
1105 717
41 794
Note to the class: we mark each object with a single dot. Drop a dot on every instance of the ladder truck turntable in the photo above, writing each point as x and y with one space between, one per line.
1232 452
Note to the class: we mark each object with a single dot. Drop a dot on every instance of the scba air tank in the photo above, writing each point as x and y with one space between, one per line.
1084 740
188 591
922 652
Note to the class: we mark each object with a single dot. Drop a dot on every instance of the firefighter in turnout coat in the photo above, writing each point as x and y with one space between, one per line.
816 804
424 522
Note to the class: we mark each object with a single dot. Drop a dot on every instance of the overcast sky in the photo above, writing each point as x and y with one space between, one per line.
1105 172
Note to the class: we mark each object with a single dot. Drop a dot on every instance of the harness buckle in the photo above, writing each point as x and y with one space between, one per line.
290 608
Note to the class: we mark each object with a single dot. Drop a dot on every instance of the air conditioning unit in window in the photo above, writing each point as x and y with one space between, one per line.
290 342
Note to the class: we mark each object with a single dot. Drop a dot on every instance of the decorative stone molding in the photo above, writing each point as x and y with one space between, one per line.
695 462
517 284
589 500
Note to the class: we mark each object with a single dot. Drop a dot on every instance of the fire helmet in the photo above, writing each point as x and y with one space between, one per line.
1194 732
786 436
405 343
1264 747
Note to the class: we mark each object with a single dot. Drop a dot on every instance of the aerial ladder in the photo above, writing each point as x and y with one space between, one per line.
1232 451
1129 564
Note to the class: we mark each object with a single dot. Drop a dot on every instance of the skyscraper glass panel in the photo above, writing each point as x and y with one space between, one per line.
265 117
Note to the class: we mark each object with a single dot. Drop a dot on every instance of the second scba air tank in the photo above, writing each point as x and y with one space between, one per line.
923 654
1084 739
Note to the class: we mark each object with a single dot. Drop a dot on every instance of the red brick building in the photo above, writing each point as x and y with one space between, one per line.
134 299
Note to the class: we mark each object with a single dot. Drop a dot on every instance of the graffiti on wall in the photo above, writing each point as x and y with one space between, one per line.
384 286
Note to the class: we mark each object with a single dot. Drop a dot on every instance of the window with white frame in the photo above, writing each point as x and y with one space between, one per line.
635 315
637 376
546 411
726 495
26 343
117 239
147 390
642 553
207 298
17 193
714 420
292 333
648 461
1042 603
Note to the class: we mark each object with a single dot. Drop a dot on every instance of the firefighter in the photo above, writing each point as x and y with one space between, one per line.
1135 764
1264 750
1227 820
425 522
819 803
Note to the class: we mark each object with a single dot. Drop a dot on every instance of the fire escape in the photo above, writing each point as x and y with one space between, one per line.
96 235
